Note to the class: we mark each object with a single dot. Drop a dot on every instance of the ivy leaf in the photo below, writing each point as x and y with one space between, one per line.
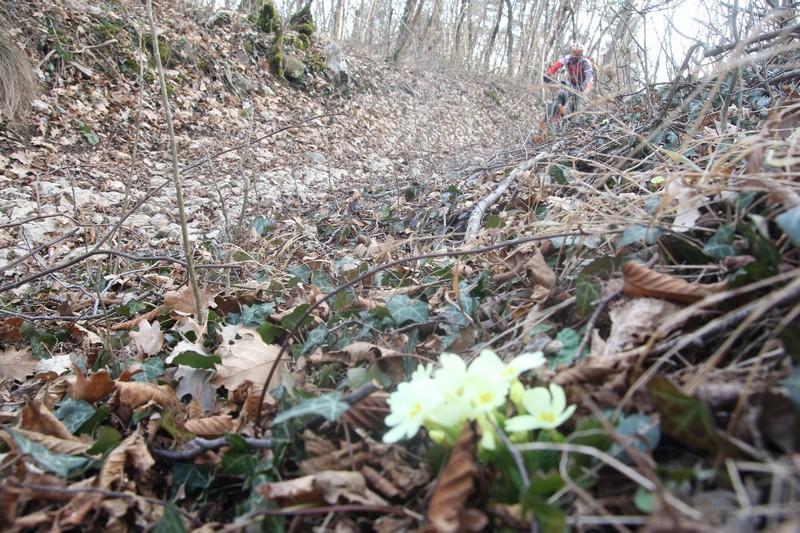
292 319
253 314
638 233
329 406
269 332
238 461
107 438
316 337
720 245
263 225
171 521
685 418
789 222
494 221
74 413
150 370
571 339
403 309
196 360
586 294
56 463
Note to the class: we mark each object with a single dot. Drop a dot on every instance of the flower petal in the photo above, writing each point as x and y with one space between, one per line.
536 400
526 361
563 417
397 433
522 423
488 363
559 398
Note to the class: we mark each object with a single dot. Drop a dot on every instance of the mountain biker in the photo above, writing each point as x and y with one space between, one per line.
580 73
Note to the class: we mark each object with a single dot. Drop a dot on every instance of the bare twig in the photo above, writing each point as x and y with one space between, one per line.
198 446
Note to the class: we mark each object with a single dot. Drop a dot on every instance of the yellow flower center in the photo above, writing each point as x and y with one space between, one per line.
508 371
550 418
416 409
485 397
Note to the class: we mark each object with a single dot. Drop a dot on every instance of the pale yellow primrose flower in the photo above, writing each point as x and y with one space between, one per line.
547 409
451 381
411 404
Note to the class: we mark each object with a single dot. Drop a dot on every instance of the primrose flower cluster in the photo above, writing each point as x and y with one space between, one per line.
443 399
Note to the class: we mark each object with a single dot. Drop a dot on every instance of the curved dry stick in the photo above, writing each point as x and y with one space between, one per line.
474 224
199 445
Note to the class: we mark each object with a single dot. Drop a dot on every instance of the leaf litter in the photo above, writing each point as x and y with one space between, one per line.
691 366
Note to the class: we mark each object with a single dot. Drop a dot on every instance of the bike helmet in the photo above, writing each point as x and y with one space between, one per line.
576 49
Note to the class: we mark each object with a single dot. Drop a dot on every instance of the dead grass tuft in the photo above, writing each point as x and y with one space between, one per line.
17 82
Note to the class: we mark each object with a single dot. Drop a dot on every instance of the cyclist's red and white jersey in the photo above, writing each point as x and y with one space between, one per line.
579 73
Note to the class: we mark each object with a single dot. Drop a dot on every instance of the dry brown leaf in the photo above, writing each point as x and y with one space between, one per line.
632 322
212 426
369 412
17 364
182 300
133 394
456 484
331 486
380 483
349 456
10 330
584 373
351 354
150 316
245 357
640 281
133 452
55 444
97 387
37 417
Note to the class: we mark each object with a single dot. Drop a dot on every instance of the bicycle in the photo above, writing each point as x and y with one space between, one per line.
563 104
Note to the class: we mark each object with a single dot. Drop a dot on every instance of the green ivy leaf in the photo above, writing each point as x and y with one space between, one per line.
685 418
56 463
328 405
74 413
238 461
586 294
644 500
403 309
269 332
789 222
263 225
253 314
316 337
196 360
494 221
171 521
571 339
638 233
107 438
720 245
151 369
292 319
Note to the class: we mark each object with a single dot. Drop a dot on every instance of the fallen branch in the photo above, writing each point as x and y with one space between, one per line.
474 224
198 446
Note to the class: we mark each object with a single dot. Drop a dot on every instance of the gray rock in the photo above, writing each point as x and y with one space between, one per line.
337 64
295 68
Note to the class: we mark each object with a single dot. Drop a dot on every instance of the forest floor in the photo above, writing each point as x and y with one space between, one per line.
647 252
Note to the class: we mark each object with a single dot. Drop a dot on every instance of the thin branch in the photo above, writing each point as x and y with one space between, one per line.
198 446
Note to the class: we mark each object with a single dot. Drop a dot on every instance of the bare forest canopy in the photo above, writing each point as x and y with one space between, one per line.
350 265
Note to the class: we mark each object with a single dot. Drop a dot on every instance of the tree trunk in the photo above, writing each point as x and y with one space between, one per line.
509 40
487 56
405 22
338 22
459 26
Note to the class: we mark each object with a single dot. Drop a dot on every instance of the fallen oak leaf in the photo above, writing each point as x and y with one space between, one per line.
456 484
331 486
211 426
245 357
182 300
37 417
97 387
72 446
369 412
133 450
133 394
640 281
17 364
148 338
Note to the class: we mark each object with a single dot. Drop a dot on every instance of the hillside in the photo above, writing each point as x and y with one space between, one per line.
620 288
